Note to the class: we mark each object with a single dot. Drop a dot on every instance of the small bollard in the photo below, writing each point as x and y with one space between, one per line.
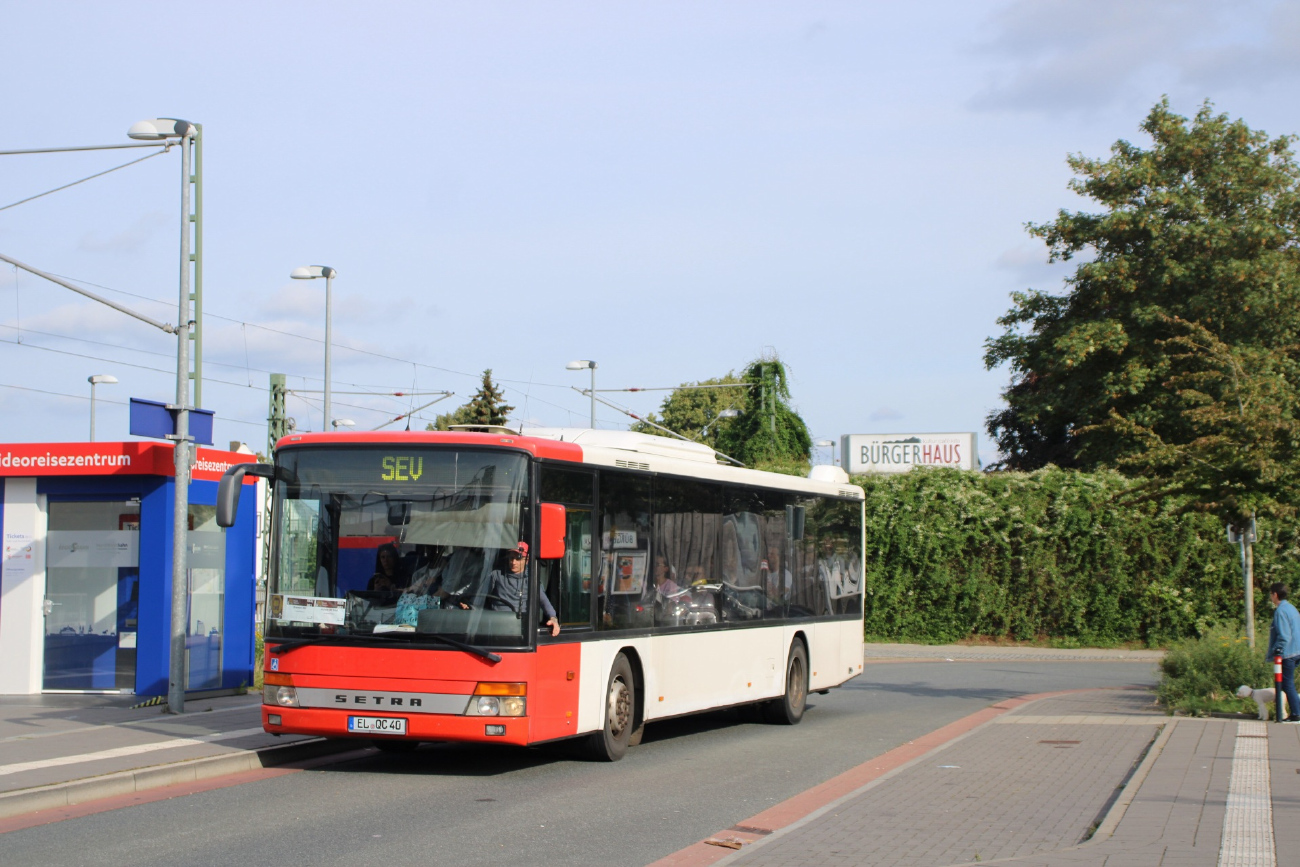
1278 697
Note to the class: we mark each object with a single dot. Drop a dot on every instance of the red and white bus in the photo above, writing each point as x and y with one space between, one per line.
397 609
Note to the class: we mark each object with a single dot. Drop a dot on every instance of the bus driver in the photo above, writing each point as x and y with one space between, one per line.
508 590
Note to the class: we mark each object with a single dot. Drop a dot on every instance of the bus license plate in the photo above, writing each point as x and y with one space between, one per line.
377 725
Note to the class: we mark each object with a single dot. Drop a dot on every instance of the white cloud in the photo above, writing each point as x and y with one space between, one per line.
885 413
1056 56
128 240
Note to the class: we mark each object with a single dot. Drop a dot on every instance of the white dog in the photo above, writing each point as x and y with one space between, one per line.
1263 698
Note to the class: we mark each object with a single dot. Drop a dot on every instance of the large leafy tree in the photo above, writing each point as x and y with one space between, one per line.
486 406
769 433
693 409
766 431
1240 407
1190 271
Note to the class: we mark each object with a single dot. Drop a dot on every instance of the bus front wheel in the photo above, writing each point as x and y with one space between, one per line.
788 709
611 742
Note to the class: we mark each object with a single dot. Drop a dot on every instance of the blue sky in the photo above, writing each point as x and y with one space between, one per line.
671 189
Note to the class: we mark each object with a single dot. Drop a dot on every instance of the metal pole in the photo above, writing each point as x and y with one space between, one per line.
181 501
593 395
91 295
197 258
92 411
1248 569
329 281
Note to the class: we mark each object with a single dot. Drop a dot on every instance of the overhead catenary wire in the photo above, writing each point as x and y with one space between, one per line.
508 383
166 148
259 424
655 425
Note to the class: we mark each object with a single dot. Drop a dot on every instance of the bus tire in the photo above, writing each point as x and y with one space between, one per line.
611 742
789 708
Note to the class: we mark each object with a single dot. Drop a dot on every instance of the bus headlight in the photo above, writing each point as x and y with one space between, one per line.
491 705
284 696
498 699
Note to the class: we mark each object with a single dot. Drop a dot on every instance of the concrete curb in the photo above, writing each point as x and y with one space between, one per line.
59 795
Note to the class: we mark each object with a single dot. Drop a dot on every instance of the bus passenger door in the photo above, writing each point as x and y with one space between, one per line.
574 604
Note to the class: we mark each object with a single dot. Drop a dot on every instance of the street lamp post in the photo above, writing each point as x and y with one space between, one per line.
156 130
97 379
311 272
830 444
583 364
726 413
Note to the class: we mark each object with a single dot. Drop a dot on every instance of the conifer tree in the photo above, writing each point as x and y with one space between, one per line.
486 406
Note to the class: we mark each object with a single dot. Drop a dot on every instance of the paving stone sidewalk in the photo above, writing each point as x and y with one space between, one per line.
52 740
1029 782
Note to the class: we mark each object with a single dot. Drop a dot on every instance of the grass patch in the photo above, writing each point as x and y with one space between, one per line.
1200 676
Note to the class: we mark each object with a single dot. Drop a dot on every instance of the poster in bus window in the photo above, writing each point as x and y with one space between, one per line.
308 609
629 572
620 539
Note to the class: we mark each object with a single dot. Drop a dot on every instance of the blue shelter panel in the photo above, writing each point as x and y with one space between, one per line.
241 593
155 608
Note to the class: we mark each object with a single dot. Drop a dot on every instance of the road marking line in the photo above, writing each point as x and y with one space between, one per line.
151 721
19 767
1248 822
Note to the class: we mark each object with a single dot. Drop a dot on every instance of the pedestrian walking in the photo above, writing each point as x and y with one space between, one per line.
1284 641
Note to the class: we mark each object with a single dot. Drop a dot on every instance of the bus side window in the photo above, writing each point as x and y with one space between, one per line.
573 602
624 550
569 581
688 519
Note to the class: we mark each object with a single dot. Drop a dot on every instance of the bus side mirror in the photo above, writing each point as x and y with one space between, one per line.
228 489
399 514
550 544
796 520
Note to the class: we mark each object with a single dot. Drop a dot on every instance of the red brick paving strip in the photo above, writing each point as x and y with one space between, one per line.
806 803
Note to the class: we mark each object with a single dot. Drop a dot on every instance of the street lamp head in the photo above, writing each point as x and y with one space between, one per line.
160 128
343 422
311 272
825 443
101 379
580 365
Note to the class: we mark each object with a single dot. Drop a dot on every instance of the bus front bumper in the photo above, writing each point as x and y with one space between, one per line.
330 723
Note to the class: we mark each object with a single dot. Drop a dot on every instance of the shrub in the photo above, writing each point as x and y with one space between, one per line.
1201 675
1053 555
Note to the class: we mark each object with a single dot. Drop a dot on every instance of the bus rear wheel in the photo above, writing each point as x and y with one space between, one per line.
788 709
611 742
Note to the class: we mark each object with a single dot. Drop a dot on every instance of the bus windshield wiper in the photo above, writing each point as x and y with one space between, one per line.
461 645
295 643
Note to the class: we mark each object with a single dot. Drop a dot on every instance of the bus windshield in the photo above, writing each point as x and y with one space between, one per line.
400 542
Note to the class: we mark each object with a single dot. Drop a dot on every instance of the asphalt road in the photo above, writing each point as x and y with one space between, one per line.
467 806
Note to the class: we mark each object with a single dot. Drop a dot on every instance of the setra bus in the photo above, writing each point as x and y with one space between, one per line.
491 586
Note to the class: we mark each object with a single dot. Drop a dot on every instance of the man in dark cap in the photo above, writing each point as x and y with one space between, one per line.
508 588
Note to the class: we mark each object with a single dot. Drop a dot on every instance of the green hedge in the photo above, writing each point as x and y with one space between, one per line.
1050 555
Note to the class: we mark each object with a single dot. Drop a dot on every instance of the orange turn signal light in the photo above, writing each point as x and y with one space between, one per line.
272 679
501 689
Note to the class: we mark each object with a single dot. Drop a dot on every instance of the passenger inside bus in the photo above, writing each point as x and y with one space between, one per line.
388 570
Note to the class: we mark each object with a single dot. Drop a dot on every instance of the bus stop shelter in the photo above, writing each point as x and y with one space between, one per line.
86 577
